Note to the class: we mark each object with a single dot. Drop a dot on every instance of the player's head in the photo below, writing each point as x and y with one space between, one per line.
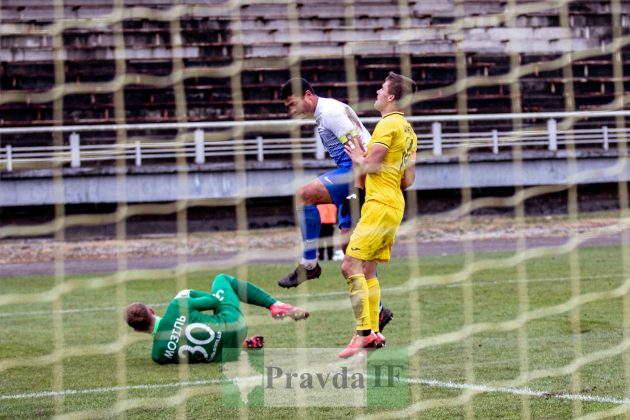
394 88
299 97
139 316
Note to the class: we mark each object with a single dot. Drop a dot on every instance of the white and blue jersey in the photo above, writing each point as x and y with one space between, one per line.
336 122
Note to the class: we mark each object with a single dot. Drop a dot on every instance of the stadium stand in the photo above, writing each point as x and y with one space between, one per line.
235 55
217 34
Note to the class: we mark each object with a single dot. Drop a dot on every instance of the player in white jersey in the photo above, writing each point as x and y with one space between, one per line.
336 124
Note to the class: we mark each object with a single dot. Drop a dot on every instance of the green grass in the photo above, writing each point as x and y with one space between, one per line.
494 357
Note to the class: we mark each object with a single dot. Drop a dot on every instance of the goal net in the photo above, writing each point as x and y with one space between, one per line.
145 149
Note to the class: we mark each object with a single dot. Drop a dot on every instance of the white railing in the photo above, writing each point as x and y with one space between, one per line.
195 145
75 154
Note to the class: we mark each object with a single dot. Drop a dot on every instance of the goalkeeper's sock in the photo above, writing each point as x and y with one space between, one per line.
359 298
310 224
374 290
247 292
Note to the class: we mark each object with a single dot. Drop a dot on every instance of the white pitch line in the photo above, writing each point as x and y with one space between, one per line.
519 391
427 382
325 294
68 392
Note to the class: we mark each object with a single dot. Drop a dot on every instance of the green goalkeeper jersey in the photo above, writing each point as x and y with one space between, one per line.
187 334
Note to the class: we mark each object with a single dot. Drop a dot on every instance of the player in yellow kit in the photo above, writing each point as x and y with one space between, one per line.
389 168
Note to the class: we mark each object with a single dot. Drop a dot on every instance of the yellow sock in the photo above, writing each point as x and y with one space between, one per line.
359 298
374 290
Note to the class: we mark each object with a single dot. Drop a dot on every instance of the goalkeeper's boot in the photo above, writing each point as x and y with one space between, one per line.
300 275
358 344
279 310
384 317
254 342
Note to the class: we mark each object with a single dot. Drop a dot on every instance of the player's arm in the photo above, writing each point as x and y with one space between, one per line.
199 294
353 142
359 181
370 163
409 176
201 301
204 303
344 129
192 293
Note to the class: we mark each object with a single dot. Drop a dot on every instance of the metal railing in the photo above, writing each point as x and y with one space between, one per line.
199 145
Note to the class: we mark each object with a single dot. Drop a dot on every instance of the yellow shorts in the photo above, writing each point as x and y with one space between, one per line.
373 237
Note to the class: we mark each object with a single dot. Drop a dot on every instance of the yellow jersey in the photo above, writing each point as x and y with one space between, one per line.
395 133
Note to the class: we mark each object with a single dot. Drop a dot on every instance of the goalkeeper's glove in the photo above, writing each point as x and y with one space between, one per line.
254 342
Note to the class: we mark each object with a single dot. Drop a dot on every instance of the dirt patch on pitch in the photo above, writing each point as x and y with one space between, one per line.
287 240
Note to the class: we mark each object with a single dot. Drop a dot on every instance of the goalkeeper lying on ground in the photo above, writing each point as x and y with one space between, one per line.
187 334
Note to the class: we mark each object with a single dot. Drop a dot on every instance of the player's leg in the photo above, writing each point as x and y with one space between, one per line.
369 269
229 318
307 198
358 251
247 292
370 243
347 215
224 291
385 315
244 291
331 187
231 291
389 222
374 296
351 269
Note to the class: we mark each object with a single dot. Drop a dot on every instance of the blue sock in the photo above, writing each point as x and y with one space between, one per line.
310 223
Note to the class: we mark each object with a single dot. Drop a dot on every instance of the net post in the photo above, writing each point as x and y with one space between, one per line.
552 134
495 141
138 149
261 151
75 150
605 144
200 156
436 129
9 158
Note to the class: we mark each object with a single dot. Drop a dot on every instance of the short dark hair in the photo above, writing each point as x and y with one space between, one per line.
294 86
138 316
400 85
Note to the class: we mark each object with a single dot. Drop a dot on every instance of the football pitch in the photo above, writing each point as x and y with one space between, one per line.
544 338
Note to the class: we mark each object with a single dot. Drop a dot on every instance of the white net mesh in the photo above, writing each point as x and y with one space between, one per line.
501 308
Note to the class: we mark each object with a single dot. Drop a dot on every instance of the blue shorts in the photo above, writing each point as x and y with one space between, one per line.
338 182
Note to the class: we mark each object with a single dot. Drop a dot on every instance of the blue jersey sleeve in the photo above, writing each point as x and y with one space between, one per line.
335 148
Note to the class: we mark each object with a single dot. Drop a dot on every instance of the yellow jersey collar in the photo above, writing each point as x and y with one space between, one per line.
392 113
